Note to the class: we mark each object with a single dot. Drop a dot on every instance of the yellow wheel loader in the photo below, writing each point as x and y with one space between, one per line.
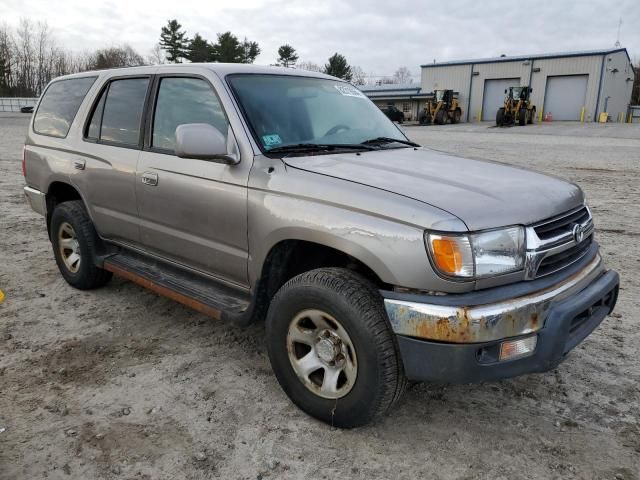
517 107
442 108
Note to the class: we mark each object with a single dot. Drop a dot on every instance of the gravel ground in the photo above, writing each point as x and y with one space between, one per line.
121 383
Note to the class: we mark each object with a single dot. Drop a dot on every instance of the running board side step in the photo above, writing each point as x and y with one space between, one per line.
197 292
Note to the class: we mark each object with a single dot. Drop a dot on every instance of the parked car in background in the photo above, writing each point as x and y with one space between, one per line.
393 113
271 194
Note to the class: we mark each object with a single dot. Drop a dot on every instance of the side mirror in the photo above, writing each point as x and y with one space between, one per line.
203 142
505 90
530 90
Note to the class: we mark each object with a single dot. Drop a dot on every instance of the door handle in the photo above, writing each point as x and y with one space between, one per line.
79 164
150 179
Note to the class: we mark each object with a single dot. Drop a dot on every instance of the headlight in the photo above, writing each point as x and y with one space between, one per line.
477 255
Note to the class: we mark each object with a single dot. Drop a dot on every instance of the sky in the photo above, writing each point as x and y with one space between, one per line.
377 35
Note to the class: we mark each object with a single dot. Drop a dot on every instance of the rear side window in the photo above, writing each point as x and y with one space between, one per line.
184 100
59 106
118 113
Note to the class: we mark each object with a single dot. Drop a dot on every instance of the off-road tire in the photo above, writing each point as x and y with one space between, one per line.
522 117
441 117
357 304
532 116
456 116
500 117
88 276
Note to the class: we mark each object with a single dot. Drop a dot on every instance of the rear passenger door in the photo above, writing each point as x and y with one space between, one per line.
192 212
113 138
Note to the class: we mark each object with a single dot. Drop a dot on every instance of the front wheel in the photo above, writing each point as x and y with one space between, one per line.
75 241
522 117
332 349
441 117
500 117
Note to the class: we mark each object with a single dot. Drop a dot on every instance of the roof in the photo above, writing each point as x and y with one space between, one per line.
391 86
222 69
515 58
391 90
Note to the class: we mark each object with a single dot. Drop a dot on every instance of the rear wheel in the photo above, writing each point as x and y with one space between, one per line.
522 117
500 117
332 349
441 117
456 116
532 116
74 241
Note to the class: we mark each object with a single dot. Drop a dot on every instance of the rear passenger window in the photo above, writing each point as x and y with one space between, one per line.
96 118
117 117
59 106
184 100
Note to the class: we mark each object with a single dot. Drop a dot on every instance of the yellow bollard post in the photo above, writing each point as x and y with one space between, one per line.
540 116
480 115
582 115
629 120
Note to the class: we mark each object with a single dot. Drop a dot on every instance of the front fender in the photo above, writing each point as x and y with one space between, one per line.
393 250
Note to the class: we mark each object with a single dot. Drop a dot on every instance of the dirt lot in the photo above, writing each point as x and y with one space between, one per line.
121 383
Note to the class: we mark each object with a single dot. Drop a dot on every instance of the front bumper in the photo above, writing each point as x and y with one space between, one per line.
457 338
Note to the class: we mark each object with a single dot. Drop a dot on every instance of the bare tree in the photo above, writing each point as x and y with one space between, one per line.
115 57
310 66
156 55
30 58
402 76
358 78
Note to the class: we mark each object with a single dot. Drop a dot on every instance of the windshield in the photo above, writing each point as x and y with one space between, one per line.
517 91
439 95
290 110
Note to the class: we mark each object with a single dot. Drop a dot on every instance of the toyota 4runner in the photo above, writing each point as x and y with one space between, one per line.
254 193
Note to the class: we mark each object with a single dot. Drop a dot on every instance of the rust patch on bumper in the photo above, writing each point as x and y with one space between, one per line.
481 323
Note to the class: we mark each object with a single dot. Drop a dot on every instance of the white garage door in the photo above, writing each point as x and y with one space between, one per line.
565 96
493 97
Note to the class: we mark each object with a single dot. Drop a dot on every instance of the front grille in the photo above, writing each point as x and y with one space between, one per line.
556 262
552 243
560 226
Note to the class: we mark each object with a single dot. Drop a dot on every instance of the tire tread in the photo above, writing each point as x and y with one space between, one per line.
364 296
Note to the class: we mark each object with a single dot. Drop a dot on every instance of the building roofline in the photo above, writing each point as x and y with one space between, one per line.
519 58
388 89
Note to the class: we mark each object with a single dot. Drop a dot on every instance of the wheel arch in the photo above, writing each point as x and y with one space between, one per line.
60 191
292 256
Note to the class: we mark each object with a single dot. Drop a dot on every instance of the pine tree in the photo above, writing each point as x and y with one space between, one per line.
287 56
229 49
338 67
200 50
174 41
249 51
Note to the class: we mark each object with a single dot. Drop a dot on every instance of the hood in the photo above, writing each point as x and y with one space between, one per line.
481 193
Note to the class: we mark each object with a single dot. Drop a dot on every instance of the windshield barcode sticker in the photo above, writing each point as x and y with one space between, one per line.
349 91
272 140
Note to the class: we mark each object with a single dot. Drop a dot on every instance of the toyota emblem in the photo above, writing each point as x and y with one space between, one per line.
578 233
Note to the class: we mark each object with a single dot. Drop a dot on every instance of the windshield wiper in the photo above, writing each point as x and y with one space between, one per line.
319 147
382 140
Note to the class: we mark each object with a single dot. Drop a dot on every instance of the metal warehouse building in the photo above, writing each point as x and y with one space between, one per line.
568 86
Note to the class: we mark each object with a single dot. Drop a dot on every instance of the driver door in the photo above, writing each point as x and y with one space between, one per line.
192 212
